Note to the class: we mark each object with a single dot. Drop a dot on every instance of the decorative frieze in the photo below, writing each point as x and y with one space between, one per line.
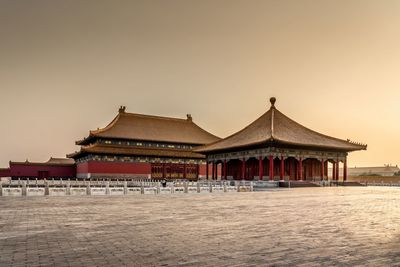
278 153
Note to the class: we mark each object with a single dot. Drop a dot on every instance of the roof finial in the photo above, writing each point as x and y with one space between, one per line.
189 117
272 100
121 109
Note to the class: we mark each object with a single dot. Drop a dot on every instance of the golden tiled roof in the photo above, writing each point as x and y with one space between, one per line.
274 127
132 126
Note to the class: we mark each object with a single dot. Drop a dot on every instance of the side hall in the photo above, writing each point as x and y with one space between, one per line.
275 147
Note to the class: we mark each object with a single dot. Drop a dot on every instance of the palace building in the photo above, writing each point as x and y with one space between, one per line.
136 146
143 146
274 147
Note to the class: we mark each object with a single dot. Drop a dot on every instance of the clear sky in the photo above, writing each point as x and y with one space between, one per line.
66 67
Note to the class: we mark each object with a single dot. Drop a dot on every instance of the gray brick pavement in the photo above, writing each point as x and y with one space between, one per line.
303 227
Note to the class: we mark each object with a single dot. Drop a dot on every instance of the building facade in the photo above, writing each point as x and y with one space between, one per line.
143 146
274 147
53 168
137 146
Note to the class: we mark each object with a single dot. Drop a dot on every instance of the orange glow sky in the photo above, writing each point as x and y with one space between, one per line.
66 67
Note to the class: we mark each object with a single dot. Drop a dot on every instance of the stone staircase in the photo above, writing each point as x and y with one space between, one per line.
351 184
298 184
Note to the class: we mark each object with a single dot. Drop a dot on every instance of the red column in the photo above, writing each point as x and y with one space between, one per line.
225 174
337 170
322 169
253 168
244 169
334 171
271 168
326 169
222 170
290 169
345 170
260 168
163 170
282 168
207 170
300 169
184 170
212 170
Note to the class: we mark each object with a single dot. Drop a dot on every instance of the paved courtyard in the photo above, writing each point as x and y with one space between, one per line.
305 227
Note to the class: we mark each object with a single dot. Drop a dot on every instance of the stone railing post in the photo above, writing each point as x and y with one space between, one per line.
1 189
158 188
46 188
125 187
88 188
68 188
185 185
142 188
23 188
107 188
251 186
198 187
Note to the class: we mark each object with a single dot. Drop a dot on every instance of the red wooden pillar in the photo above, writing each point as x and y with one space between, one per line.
225 174
253 170
326 169
184 170
222 170
290 169
345 169
207 170
212 170
334 171
337 170
282 168
244 169
216 171
260 168
322 169
271 168
300 169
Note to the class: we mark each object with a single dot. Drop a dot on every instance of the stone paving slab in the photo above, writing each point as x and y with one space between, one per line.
285 227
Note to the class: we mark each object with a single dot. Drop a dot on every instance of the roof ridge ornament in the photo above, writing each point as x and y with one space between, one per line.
272 100
356 143
189 117
121 109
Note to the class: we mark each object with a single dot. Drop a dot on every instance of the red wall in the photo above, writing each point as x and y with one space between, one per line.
5 172
114 167
202 169
82 167
93 167
30 170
